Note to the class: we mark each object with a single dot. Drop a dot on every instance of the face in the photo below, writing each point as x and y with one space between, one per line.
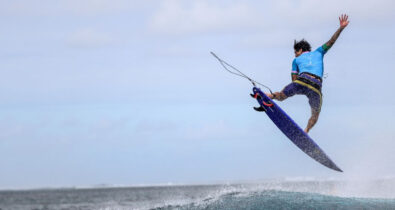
299 52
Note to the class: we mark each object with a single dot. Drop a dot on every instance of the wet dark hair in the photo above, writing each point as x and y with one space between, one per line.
302 44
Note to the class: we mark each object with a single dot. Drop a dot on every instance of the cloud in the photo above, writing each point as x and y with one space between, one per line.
94 7
180 17
68 7
311 12
175 16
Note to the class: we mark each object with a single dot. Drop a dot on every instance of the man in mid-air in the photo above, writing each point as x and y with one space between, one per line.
307 71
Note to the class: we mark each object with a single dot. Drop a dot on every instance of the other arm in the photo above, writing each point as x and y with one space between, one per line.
343 24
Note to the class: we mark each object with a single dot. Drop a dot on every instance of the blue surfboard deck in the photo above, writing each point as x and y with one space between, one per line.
294 132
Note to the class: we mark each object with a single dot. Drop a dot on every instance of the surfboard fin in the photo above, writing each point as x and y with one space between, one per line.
260 109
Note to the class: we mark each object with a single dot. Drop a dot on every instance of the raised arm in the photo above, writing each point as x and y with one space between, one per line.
343 24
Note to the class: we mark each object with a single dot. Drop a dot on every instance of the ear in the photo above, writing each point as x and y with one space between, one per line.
300 51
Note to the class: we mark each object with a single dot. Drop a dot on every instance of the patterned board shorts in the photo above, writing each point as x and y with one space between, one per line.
308 86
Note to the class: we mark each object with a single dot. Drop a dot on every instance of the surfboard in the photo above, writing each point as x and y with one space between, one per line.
292 130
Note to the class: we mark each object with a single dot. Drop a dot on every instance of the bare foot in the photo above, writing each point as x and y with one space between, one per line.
269 95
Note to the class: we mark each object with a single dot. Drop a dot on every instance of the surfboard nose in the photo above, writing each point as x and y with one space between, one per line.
334 167
294 132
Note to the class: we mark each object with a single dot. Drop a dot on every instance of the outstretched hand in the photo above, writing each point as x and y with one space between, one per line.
343 20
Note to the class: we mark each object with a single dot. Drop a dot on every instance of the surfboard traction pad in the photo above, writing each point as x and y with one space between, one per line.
293 131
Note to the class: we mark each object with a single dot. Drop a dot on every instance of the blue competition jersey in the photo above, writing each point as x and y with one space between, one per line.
310 62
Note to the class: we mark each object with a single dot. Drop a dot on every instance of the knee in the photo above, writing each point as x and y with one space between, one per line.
280 96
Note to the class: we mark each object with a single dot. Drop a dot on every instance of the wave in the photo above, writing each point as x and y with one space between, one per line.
304 193
300 193
272 199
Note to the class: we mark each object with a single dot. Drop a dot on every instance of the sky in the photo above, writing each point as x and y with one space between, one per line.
120 92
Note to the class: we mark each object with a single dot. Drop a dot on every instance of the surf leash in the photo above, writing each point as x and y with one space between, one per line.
238 72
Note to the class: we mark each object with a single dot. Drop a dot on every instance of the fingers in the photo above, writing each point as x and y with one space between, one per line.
343 17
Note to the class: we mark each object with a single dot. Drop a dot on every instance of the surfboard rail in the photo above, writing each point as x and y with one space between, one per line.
293 131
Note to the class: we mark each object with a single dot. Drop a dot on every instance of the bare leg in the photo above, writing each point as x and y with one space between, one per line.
313 119
280 96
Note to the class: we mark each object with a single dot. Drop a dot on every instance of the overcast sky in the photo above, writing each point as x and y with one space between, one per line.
126 92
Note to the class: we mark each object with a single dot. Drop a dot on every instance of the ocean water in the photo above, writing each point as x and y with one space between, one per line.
264 195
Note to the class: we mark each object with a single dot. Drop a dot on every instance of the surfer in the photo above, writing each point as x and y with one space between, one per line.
307 71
